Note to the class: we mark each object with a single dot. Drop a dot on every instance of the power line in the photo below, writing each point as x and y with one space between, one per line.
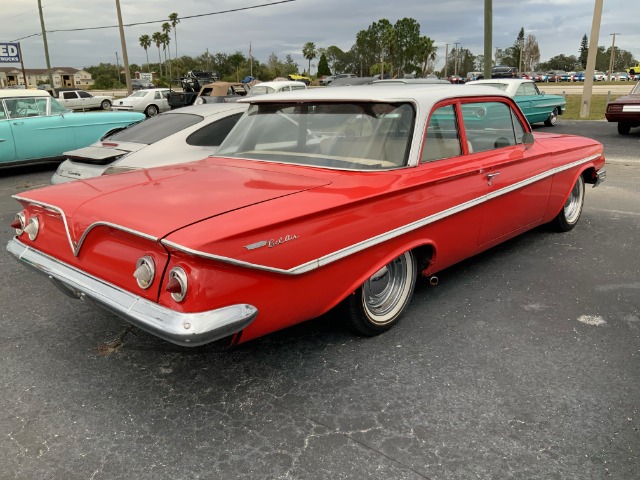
158 21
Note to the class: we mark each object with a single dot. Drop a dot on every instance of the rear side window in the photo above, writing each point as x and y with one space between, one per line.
213 134
69 95
156 128
443 136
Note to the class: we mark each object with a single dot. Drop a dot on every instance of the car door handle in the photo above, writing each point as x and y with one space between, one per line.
490 177
18 123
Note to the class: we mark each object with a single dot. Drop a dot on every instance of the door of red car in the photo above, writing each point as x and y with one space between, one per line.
517 190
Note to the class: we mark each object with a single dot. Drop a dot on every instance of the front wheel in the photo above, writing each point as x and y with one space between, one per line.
378 304
105 105
553 118
624 128
151 111
570 213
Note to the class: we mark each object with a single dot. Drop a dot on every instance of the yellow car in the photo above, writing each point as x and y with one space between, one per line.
634 70
299 78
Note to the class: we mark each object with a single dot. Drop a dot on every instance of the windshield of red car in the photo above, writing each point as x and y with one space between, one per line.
351 136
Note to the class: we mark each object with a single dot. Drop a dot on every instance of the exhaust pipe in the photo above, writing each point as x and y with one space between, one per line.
433 280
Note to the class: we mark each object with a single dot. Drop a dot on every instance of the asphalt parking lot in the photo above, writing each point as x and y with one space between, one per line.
523 363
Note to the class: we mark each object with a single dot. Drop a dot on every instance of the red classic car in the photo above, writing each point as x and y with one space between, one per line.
625 110
317 198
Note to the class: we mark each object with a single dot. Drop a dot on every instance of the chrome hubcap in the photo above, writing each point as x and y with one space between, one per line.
386 288
573 205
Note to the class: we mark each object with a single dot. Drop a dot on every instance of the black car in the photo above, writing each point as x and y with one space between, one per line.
138 84
502 71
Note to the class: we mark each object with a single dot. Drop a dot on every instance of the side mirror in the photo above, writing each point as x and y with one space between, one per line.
528 140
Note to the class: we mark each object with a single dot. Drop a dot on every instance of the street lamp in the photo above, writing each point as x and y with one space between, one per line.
613 55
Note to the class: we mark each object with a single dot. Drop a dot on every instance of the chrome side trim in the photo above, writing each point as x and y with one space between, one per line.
331 257
383 237
186 329
75 247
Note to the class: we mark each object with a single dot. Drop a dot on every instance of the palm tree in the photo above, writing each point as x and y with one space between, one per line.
157 39
145 42
309 52
173 17
166 40
166 29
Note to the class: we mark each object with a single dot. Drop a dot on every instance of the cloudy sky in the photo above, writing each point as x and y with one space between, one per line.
284 28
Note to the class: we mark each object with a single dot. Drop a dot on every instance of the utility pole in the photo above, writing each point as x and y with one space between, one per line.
125 58
488 36
455 60
46 47
118 68
520 59
613 55
446 58
585 106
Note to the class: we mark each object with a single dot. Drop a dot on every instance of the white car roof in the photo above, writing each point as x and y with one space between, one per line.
22 92
280 83
504 81
208 109
421 94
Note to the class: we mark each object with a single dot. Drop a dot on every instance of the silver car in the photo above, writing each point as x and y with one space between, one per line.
177 136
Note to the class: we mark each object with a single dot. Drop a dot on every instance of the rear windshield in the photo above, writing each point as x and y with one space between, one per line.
352 136
156 128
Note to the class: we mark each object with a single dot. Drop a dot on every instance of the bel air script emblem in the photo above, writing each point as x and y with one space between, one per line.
274 242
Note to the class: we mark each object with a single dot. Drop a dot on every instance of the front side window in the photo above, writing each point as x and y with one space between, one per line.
3 114
22 107
526 89
84 95
56 108
355 136
490 125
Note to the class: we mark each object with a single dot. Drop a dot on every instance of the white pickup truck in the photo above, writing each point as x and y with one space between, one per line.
81 100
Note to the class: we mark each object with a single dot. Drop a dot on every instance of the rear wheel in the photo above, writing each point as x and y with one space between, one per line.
570 213
151 111
624 128
378 304
105 105
553 118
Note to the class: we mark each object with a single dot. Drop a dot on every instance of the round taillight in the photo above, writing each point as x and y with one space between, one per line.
145 271
32 228
177 284
19 223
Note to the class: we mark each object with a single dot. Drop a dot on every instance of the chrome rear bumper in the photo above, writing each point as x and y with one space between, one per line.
186 329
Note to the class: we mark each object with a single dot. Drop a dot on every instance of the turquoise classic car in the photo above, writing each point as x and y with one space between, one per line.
34 127
537 106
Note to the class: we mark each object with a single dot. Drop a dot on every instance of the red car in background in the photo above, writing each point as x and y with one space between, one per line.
319 198
625 111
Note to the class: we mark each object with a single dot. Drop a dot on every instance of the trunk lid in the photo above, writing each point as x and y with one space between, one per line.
161 200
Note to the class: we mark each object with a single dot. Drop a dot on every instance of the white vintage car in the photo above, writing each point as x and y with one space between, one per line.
81 100
179 136
150 102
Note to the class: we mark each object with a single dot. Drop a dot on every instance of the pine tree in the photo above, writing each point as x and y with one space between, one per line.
323 66
584 51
